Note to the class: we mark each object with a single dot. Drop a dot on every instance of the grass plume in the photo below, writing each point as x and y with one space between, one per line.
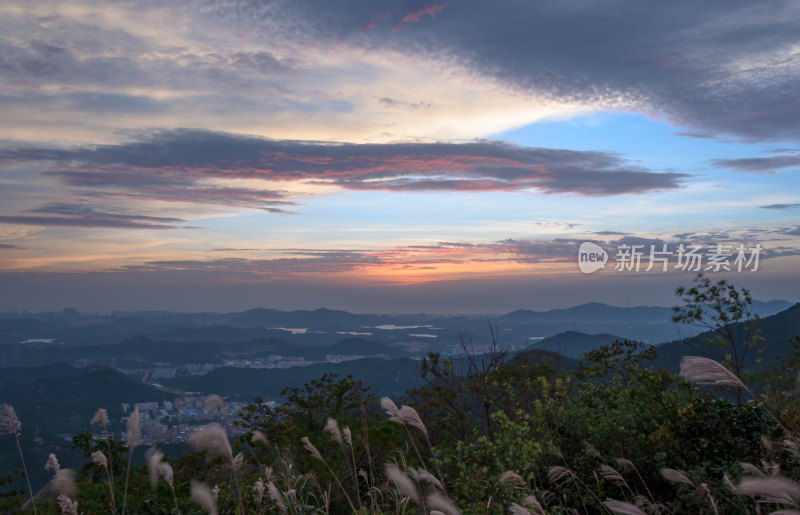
202 495
100 418
213 439
707 371
10 424
132 439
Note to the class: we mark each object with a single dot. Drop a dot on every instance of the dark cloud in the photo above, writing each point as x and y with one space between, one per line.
170 164
781 252
8 246
391 102
720 67
610 233
770 164
781 206
326 262
171 183
703 237
694 135
80 215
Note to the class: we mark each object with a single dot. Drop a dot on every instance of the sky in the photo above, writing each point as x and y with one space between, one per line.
399 156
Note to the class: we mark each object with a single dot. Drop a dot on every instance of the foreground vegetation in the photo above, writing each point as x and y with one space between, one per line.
489 434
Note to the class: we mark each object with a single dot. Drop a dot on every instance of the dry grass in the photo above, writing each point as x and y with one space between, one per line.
9 423
622 507
202 495
777 489
707 371
676 476
511 479
403 483
212 439
67 505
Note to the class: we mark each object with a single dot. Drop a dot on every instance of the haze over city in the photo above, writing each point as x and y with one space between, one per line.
391 157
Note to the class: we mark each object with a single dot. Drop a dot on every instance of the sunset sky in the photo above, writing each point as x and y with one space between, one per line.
395 156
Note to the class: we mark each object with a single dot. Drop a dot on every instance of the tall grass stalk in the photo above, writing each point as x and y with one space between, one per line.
339 437
214 439
315 453
132 439
10 424
406 416
100 418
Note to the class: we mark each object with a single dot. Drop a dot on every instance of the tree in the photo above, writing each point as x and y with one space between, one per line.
307 408
462 392
726 312
621 358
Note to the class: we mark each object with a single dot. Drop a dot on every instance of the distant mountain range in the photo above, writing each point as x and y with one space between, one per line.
322 327
142 352
574 344
598 312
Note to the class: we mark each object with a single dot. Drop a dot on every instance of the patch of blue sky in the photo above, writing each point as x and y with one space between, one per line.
650 143
659 146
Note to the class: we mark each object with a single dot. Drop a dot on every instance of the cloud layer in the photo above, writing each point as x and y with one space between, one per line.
723 67
173 165
74 215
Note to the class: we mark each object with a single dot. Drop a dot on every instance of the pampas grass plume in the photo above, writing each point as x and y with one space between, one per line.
212 439
511 479
64 482
516 509
52 463
439 501
556 473
534 504
421 475
775 487
409 415
391 409
332 427
404 485
707 371
258 436
99 458
214 401
9 423
310 448
202 495
276 496
676 476
67 505
611 475
622 508
132 429
100 418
